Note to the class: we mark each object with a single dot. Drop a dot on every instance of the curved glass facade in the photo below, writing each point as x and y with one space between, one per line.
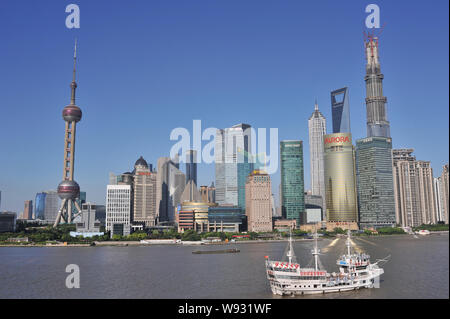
200 211
39 208
340 178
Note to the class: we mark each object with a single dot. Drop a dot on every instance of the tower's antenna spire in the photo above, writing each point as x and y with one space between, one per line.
73 85
316 106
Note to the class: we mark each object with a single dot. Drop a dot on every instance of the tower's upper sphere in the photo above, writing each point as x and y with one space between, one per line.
72 113
68 190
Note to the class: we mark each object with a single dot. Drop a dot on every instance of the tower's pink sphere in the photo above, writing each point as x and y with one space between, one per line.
68 190
72 113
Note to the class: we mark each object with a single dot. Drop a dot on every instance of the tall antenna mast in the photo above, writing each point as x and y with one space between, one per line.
73 85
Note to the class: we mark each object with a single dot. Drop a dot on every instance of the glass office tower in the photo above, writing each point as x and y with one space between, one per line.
191 166
292 181
39 206
375 182
244 167
80 200
233 164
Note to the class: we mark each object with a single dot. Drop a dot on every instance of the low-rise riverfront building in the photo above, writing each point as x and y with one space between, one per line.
225 219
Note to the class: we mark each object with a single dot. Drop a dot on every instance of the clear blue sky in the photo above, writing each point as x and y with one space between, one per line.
146 67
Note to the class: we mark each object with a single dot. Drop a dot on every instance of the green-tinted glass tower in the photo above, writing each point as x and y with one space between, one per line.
292 180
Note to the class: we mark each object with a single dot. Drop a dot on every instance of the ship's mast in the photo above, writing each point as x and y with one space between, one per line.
290 253
349 244
315 252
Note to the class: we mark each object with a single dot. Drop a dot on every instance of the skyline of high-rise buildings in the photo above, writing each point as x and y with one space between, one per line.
406 188
418 195
377 192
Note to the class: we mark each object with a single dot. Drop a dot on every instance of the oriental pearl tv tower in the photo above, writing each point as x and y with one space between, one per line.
68 189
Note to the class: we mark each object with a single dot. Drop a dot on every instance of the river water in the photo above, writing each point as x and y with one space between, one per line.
418 268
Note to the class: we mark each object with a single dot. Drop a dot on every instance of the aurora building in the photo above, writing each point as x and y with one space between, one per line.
340 181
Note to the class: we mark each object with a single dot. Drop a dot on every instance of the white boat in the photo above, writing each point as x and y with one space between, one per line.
423 232
158 241
355 272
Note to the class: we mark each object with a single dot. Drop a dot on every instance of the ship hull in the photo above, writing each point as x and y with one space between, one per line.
290 287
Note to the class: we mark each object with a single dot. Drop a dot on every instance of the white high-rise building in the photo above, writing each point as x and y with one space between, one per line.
444 185
51 206
233 164
426 192
317 127
177 183
118 209
144 192
406 188
438 198
170 185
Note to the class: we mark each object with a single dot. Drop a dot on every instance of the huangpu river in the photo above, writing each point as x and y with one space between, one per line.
418 268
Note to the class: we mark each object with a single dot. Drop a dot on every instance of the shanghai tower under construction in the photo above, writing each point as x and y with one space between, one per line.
68 189
377 123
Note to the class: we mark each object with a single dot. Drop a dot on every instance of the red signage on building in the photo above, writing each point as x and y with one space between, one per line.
337 139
